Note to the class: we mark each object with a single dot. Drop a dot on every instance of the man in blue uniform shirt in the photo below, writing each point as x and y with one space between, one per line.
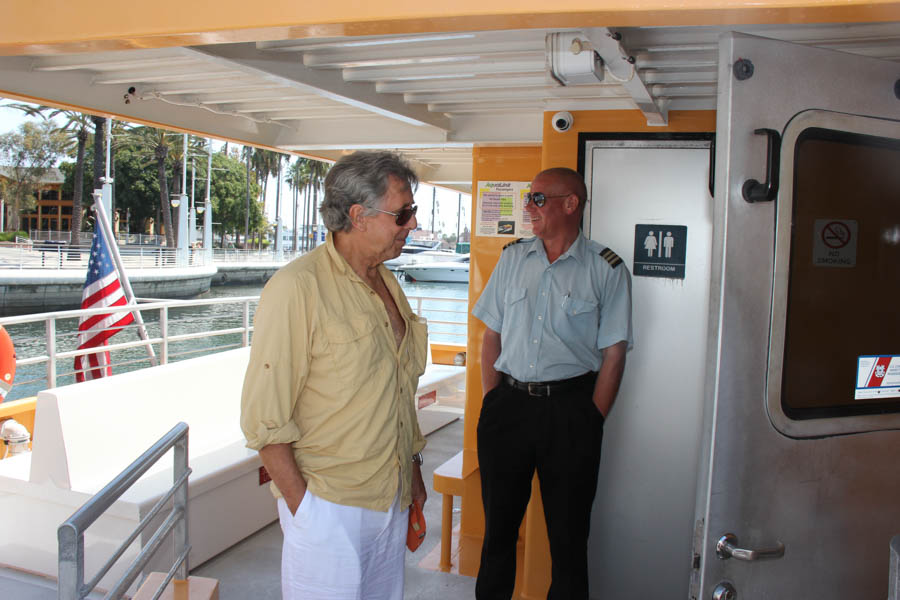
558 316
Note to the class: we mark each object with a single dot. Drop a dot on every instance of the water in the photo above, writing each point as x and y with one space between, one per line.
29 339
432 309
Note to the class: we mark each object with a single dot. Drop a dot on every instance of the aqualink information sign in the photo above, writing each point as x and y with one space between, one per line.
660 251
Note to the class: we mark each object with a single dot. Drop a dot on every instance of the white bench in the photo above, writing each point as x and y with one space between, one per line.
86 434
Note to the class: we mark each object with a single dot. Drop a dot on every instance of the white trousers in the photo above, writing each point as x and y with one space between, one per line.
337 552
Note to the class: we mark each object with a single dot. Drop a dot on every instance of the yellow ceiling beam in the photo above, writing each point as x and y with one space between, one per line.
52 26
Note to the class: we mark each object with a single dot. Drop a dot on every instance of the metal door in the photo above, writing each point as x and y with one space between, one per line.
646 491
799 485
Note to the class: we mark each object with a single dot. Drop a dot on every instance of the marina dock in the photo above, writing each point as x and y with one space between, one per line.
40 280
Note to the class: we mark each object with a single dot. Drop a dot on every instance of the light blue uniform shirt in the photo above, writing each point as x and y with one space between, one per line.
554 319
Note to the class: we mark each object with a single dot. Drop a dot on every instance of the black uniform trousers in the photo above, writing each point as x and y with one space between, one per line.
560 436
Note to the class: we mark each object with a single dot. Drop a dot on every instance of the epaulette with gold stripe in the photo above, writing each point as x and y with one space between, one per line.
611 257
513 242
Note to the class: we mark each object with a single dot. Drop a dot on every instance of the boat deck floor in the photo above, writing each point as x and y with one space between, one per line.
251 568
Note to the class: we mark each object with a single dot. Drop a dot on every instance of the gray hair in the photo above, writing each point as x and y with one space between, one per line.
361 178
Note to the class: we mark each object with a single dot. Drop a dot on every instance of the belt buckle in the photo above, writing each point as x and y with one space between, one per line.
535 389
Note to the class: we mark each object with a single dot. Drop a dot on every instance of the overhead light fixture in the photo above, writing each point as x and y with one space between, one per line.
571 60
175 200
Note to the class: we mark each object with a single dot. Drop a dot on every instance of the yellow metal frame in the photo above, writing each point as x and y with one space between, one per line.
50 26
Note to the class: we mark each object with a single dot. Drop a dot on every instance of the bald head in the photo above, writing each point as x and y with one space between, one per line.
568 179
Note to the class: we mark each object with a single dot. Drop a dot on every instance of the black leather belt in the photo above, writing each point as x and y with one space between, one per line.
548 388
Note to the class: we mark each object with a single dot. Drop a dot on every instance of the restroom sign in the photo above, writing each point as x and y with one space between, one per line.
660 251
834 243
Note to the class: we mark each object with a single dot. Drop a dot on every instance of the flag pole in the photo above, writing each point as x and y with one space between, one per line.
106 231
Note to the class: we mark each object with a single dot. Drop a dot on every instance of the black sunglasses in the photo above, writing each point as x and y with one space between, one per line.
403 217
540 198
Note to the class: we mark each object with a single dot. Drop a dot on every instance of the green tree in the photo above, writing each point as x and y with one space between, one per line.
227 193
155 145
26 157
136 187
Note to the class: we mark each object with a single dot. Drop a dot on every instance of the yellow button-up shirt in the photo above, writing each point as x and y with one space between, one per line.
326 376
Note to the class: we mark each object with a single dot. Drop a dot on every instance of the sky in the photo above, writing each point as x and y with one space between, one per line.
446 202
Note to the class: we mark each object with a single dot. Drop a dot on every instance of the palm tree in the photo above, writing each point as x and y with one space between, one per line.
263 163
296 177
75 128
157 144
316 180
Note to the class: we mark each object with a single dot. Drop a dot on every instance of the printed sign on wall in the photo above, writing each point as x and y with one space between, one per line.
660 251
500 209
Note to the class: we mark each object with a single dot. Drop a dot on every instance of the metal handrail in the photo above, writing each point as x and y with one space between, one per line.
71 533
228 255
59 348
47 360
84 238
70 258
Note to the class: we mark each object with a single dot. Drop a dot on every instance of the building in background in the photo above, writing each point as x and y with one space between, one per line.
52 211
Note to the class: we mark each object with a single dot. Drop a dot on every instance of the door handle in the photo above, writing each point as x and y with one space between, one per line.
754 191
727 548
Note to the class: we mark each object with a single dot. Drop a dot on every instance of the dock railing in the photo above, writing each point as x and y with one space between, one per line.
71 533
47 343
51 255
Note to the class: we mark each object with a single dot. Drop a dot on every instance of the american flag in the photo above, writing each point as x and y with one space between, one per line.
101 288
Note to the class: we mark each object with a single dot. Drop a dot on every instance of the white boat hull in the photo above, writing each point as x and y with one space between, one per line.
438 272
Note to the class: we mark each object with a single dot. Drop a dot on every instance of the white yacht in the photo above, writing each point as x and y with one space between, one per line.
418 251
454 269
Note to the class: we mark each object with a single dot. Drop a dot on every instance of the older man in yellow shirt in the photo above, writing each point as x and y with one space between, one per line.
328 399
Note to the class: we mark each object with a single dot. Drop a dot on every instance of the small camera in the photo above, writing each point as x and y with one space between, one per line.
562 121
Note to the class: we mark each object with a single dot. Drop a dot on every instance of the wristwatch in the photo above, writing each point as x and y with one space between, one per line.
417 458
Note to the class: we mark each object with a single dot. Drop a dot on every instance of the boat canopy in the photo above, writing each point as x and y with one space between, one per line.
430 81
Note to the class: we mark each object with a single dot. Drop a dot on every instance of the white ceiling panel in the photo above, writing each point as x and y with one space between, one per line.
430 96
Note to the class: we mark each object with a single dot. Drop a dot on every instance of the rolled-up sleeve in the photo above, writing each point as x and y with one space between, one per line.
279 365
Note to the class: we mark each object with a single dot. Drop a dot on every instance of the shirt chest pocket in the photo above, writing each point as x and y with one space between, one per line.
516 306
354 347
417 346
578 317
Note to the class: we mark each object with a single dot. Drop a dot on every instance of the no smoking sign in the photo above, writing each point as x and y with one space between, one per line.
834 243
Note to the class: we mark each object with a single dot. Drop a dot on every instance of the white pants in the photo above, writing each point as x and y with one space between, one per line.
337 552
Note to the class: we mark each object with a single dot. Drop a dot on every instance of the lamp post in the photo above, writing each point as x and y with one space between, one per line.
180 202
279 241
192 211
458 215
207 213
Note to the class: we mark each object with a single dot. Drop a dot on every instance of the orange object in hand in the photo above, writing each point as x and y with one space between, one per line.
415 535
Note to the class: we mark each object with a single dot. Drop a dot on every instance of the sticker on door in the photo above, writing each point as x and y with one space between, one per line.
878 377
834 243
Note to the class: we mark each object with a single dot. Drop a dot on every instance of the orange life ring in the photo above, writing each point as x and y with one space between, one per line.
7 363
